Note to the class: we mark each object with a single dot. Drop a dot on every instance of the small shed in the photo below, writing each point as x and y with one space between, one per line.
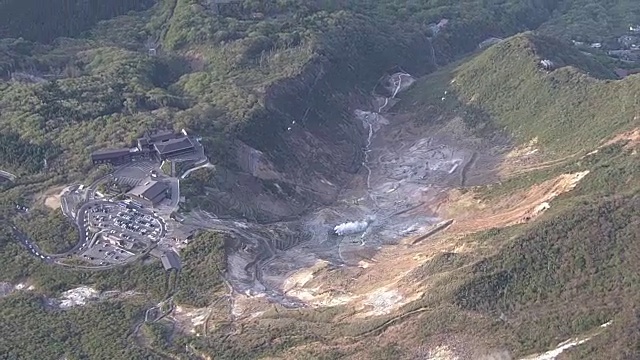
170 260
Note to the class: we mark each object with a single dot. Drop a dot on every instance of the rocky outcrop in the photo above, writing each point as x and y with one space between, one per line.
305 145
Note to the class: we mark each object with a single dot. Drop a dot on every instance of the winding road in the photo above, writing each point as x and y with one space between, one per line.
30 245
83 242
7 175
50 258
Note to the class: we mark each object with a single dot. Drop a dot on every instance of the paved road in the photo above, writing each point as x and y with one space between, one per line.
36 251
81 221
8 175
84 241
205 165
30 245
83 234
66 208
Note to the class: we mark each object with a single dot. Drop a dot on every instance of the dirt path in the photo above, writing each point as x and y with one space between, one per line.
51 198
631 136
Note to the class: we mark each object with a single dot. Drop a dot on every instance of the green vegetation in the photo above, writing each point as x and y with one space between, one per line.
567 101
50 230
21 156
197 183
183 166
246 74
592 20
166 167
505 88
32 330
111 186
204 264
38 21
157 334
573 270
529 287
216 74
18 265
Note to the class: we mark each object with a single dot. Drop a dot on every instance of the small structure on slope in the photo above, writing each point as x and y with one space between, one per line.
170 260
547 64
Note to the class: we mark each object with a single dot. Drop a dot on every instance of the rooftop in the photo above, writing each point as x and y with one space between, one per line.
161 135
109 153
169 146
170 260
149 190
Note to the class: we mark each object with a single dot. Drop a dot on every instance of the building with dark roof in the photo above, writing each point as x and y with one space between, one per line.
143 144
111 156
161 135
174 147
164 144
170 260
149 193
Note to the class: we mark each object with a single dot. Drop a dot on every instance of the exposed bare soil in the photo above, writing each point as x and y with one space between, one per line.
414 176
473 215
51 197
632 137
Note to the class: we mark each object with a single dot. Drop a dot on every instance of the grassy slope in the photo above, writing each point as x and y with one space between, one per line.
574 268
567 110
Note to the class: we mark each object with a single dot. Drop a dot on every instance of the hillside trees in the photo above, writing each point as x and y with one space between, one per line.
32 330
19 155
51 231
45 21
204 264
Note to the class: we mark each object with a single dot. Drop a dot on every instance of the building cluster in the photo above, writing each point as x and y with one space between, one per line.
435 28
625 47
547 64
150 193
632 55
161 145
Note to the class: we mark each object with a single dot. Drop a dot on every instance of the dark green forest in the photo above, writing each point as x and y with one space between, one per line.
204 265
213 73
30 329
45 21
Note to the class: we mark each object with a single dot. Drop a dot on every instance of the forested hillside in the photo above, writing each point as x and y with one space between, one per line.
215 74
574 268
44 21
580 83
219 74
592 20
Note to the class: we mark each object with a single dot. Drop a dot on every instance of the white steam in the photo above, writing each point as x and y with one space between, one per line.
349 228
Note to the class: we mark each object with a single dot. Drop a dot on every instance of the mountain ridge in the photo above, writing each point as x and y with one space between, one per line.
542 240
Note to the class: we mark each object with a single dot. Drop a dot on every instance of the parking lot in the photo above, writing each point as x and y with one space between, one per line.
127 222
106 253
123 228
